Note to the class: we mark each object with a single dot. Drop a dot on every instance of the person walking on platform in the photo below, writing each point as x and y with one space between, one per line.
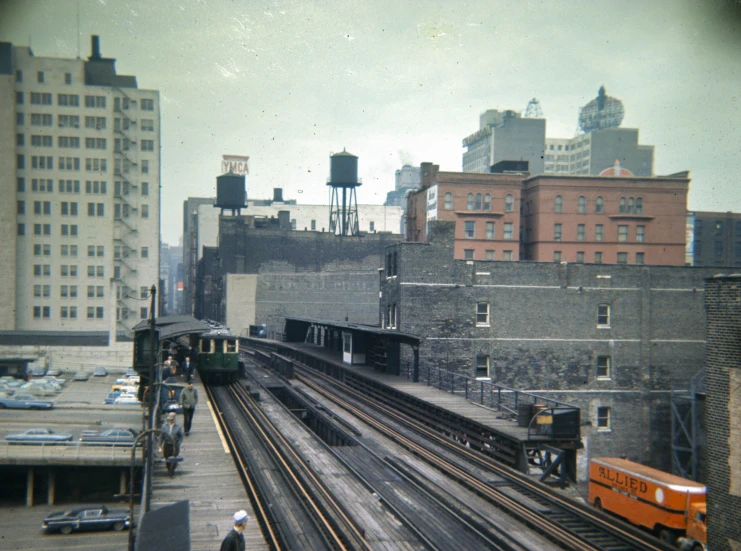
188 401
234 540
188 369
172 438
172 364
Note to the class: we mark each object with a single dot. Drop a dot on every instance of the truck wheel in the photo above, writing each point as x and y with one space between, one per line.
66 529
667 536
598 504
698 547
118 526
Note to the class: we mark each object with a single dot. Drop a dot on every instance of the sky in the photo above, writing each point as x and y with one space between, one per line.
290 82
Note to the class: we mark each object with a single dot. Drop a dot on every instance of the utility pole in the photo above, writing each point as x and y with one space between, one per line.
149 462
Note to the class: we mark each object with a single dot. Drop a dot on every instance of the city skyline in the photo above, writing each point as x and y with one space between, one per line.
289 83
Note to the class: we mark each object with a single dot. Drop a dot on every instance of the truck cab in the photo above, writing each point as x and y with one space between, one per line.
697 529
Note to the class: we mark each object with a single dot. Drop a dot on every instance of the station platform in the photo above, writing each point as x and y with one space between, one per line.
208 478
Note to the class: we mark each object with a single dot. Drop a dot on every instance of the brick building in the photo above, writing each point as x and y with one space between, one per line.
609 338
715 238
551 218
723 412
263 275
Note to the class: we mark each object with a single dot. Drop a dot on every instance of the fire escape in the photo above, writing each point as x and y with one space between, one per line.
125 232
687 411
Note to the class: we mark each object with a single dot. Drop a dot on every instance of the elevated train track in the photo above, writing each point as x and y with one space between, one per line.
569 524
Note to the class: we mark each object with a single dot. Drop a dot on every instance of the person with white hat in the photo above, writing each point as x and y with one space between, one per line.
172 437
234 540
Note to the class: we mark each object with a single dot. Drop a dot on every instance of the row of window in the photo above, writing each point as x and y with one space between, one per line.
566 147
73 100
469 230
41 77
72 142
41 162
468 254
92 187
68 270
69 291
65 208
620 258
630 205
68 312
599 231
603 315
73 121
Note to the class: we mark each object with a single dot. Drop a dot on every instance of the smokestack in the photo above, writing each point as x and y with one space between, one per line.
96 47
277 195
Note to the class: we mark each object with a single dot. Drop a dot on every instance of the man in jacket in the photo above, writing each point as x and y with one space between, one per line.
234 540
188 401
188 369
172 437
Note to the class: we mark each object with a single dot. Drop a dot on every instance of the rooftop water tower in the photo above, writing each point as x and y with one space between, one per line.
343 179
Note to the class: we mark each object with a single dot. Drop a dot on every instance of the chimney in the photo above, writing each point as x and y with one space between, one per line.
428 174
277 195
95 46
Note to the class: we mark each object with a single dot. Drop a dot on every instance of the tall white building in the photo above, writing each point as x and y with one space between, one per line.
80 155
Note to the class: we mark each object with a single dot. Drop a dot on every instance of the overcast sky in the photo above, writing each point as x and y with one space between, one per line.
395 82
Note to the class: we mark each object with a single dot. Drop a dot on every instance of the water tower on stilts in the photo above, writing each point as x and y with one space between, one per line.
343 179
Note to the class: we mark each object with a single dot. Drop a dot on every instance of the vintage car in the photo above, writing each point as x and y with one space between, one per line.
115 437
96 517
127 399
100 372
81 376
24 401
111 397
130 388
38 436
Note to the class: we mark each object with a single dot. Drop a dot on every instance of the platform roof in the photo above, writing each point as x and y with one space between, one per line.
391 334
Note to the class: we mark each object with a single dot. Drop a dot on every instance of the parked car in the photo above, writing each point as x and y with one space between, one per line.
115 436
131 380
55 380
133 389
38 389
38 371
131 372
54 372
111 398
12 381
24 401
38 436
127 399
97 517
100 372
81 376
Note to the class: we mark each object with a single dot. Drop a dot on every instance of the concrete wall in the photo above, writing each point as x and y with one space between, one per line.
8 206
240 308
74 358
723 412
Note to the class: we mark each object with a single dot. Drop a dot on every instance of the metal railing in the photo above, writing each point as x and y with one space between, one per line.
61 451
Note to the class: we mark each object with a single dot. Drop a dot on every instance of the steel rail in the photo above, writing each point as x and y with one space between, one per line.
258 507
549 527
343 535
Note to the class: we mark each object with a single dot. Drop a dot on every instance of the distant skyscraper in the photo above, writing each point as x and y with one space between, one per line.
505 136
407 179
80 178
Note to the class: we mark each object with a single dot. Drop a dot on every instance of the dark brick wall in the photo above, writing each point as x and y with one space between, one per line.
543 333
723 359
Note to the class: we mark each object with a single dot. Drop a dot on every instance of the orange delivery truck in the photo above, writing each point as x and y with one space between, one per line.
669 505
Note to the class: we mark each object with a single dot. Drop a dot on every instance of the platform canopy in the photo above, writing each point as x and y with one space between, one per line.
170 327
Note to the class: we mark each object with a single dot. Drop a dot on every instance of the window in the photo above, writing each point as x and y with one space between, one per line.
38 98
95 101
40 77
603 418
145 167
97 123
580 257
145 214
18 75
96 165
603 315
623 205
69 163
506 255
68 78
146 125
487 202
508 230
467 254
313 225
489 255
46 163
68 121
145 188
100 250
639 205
599 232
599 205
147 105
509 203
580 230
603 367
145 252
482 314
490 230
557 232
622 233
147 145
477 205
558 206
95 143
469 229
582 204
640 258
143 312
41 119
556 256
68 100
448 205
482 366
469 202
640 233
622 258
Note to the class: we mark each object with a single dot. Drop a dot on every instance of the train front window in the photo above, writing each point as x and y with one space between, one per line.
207 346
231 346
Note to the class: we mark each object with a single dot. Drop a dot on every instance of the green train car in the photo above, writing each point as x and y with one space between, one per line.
218 357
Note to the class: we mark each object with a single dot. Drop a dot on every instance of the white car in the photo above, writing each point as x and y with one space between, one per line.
128 399
131 381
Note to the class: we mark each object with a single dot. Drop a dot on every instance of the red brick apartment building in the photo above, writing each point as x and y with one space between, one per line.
549 218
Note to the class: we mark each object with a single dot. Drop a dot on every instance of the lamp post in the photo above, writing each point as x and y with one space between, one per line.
148 433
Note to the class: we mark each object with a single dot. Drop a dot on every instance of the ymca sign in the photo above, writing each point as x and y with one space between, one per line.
234 163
